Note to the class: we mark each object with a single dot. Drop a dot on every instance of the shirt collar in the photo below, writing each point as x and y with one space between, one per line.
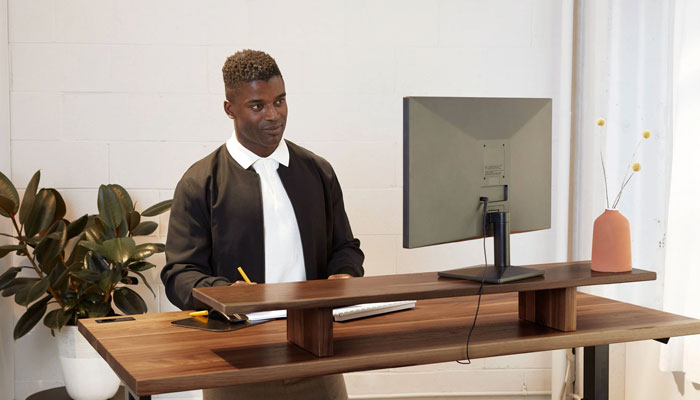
246 158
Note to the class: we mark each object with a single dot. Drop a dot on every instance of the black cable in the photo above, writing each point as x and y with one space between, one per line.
485 200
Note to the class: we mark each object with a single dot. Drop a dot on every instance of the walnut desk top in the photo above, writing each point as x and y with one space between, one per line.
152 356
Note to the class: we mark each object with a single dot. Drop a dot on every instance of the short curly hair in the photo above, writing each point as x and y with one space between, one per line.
247 66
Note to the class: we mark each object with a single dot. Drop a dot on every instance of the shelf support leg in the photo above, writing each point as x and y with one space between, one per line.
554 308
312 330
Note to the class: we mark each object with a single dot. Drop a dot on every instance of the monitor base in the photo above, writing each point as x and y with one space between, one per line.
493 274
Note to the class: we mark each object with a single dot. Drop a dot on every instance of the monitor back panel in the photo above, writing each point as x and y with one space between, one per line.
457 150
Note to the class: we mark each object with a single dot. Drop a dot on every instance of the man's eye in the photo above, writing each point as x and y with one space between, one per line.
256 107
280 101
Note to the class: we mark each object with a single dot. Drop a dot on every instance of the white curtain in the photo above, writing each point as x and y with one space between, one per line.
625 72
682 281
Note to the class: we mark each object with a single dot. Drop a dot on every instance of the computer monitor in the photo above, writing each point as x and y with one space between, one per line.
462 154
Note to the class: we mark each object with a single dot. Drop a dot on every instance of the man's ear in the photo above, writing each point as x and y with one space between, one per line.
228 109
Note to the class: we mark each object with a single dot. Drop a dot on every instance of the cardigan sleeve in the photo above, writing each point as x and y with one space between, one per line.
188 246
346 256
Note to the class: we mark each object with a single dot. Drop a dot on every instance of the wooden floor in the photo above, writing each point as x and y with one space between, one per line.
152 356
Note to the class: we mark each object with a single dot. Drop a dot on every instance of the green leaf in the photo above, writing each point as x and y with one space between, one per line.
97 310
17 284
140 266
9 248
115 275
8 276
29 196
6 206
48 266
120 249
52 245
8 190
87 275
76 266
109 278
76 255
123 197
109 234
157 209
105 281
77 227
128 301
60 205
56 319
96 306
145 282
134 218
123 228
30 318
144 228
147 249
30 292
57 274
111 211
130 280
95 262
95 230
96 247
42 213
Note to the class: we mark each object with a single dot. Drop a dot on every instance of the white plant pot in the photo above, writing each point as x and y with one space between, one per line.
86 375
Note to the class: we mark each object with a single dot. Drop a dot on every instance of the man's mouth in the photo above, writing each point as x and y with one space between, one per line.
273 129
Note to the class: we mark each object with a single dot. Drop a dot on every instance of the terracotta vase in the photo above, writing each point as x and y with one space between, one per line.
612 251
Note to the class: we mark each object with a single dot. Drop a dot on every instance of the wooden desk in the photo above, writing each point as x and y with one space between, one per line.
151 356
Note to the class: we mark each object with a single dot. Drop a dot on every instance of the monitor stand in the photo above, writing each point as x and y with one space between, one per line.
501 271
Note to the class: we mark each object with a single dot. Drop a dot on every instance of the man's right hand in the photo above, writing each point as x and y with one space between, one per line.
240 283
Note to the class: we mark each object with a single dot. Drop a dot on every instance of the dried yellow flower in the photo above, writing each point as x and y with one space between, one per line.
646 134
636 167
600 122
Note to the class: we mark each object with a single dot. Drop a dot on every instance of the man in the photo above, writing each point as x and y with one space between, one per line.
261 203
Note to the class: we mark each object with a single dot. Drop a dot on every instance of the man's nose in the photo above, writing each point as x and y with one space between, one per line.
271 113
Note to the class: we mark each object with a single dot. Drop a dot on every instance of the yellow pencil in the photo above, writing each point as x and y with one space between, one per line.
245 277
199 313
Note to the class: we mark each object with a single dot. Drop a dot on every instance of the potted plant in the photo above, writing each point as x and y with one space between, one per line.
81 268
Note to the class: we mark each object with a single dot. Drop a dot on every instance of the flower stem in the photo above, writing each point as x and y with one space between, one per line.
605 177
619 195
625 177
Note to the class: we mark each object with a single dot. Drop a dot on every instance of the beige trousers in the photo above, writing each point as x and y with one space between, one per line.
328 387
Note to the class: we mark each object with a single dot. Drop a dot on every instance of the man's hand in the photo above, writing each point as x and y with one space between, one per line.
340 276
241 283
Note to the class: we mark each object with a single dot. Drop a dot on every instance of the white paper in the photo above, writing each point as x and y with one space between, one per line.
274 314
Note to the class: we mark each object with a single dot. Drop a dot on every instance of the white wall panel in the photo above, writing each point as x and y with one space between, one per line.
63 164
30 20
143 165
36 115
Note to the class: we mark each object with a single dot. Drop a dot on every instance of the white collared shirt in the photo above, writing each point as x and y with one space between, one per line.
284 257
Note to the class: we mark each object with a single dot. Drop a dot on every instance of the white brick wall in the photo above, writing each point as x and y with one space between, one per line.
7 355
130 92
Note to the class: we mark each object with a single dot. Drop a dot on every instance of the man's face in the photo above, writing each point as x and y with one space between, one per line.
259 113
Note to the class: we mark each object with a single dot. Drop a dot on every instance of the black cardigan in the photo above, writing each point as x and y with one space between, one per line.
216 223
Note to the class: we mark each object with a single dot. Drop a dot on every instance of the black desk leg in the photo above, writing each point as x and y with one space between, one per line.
595 372
131 396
